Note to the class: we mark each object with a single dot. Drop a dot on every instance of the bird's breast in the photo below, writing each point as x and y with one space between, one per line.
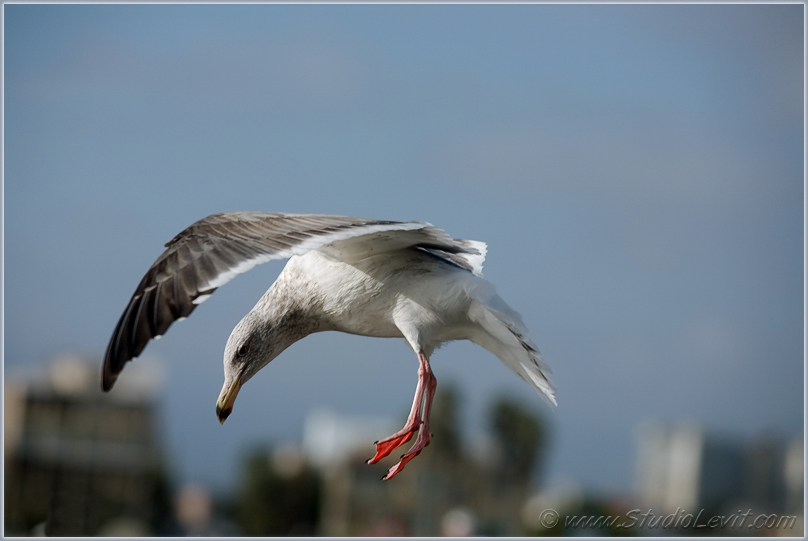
367 297
349 299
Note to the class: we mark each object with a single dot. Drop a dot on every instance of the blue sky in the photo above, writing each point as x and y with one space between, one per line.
636 170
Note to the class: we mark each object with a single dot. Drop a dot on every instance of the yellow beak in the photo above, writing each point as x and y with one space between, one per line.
224 406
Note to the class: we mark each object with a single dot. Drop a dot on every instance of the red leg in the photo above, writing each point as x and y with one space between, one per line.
388 445
430 383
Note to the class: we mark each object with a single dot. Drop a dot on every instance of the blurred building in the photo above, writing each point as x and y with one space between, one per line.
329 437
795 476
79 461
688 468
199 514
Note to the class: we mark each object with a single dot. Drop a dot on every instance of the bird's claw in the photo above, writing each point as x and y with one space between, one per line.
400 464
387 446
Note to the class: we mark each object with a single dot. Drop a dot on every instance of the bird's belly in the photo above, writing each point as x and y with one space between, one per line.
350 300
367 314
368 298
369 327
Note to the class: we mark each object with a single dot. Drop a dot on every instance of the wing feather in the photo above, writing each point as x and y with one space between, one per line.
207 255
214 250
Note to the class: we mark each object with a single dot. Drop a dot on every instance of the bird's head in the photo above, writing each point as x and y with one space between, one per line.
261 336
250 348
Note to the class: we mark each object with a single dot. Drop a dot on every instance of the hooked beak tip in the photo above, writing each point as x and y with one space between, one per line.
224 406
223 413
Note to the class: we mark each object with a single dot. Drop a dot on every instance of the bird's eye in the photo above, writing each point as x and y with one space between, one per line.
242 350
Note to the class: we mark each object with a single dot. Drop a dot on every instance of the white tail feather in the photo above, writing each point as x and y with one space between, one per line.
501 333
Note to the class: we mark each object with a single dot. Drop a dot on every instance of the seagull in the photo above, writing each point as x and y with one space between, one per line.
378 278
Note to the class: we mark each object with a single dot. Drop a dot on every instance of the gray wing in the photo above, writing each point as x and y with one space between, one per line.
215 249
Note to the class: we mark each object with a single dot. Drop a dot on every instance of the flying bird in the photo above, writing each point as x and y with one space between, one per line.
379 278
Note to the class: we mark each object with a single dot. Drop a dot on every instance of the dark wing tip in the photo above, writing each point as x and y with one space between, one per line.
107 380
197 261
158 302
112 366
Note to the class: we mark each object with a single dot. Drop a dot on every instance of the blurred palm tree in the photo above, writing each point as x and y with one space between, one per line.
520 437
444 423
279 495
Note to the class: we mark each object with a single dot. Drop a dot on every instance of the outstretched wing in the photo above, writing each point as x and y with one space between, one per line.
212 251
